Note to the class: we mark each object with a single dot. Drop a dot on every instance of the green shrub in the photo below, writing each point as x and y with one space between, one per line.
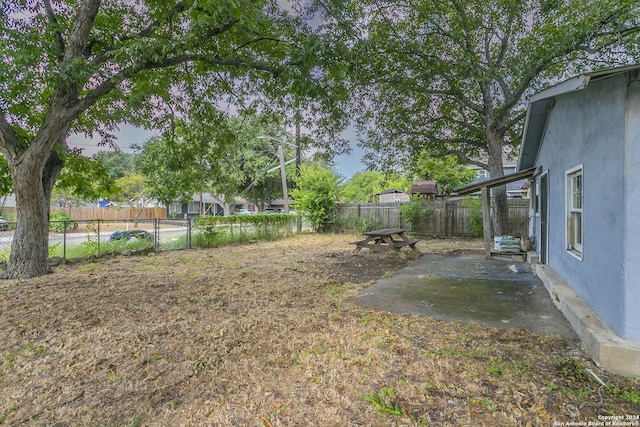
316 193
217 230
58 221
474 219
415 214
354 224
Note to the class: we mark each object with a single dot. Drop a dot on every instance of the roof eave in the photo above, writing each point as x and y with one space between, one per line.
540 104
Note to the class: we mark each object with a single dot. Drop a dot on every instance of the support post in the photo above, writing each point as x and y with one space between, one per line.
486 221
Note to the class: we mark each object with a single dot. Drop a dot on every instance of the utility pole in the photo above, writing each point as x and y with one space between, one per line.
298 144
283 172
283 175
299 219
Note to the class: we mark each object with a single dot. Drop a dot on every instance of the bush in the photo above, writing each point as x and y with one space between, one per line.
415 214
474 205
216 230
353 224
316 193
58 220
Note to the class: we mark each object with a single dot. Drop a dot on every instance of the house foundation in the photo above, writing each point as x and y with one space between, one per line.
608 350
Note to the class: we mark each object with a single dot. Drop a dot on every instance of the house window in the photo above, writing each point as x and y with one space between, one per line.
574 186
175 207
193 207
483 173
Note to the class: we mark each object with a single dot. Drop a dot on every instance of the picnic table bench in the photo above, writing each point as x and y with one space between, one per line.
384 239
521 254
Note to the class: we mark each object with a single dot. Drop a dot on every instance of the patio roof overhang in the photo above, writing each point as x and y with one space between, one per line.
502 180
484 187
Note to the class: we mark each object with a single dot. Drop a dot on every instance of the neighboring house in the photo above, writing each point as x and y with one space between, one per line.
584 136
515 190
200 203
240 203
426 189
393 196
279 203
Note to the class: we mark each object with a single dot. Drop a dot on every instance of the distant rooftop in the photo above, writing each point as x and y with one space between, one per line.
424 187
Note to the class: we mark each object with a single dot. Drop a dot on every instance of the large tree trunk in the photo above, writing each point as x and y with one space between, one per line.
499 194
501 211
30 247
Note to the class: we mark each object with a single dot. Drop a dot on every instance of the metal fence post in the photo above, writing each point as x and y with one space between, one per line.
156 234
98 238
188 233
64 242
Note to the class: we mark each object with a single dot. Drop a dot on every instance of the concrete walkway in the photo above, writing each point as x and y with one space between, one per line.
470 289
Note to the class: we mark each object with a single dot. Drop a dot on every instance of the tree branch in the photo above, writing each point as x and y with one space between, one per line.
108 85
440 140
510 123
145 32
148 31
81 29
466 159
259 39
9 140
465 124
57 34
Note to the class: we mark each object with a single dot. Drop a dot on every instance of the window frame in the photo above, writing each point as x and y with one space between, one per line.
483 173
193 207
175 207
574 203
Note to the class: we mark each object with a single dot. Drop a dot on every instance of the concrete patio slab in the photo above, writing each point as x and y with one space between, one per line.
470 289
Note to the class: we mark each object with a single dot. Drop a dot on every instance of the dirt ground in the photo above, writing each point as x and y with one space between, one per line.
268 334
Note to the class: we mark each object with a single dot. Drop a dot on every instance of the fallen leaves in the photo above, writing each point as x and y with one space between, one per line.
236 336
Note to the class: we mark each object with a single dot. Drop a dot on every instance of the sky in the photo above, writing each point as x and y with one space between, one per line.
125 137
345 165
348 165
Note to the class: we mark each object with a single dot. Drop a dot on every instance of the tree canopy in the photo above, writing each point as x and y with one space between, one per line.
117 162
453 75
88 66
363 186
447 170
190 158
85 179
228 156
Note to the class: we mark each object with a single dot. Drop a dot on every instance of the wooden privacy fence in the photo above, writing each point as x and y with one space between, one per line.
441 218
112 213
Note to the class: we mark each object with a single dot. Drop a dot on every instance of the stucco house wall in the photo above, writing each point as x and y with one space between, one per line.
587 128
597 128
631 264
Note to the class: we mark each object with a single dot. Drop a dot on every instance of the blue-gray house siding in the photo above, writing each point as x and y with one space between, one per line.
631 271
596 126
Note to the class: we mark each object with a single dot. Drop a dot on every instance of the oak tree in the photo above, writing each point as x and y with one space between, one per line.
364 186
453 75
88 65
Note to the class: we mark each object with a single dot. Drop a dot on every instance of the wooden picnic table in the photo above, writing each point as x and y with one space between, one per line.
387 238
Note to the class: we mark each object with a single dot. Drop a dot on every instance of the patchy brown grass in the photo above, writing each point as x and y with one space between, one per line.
268 334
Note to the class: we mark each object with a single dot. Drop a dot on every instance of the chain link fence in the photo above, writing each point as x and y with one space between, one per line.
69 240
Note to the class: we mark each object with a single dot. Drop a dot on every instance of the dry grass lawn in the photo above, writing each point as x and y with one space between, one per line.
268 334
